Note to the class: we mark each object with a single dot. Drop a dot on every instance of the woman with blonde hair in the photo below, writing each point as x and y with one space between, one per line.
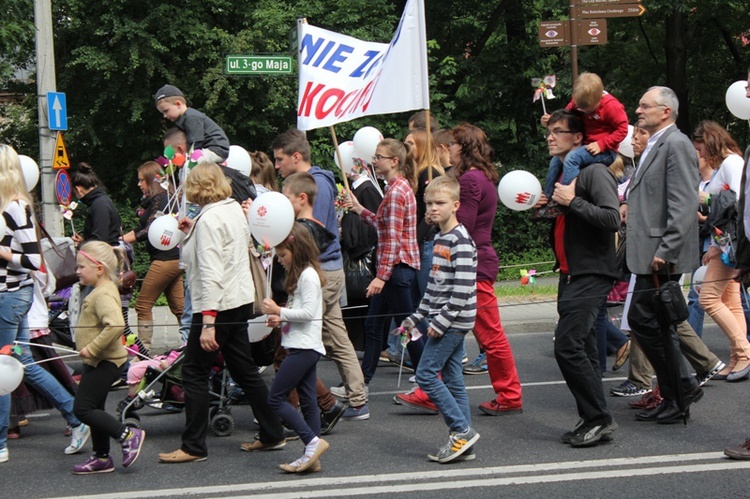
215 252
19 258
720 295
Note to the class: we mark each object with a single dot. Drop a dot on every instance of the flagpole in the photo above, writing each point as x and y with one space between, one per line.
428 152
338 155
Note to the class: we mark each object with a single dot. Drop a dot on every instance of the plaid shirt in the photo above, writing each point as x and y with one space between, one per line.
396 223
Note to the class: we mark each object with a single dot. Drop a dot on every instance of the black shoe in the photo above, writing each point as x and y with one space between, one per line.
673 414
329 418
651 415
568 435
591 434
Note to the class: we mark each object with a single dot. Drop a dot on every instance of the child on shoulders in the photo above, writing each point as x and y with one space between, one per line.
606 125
202 132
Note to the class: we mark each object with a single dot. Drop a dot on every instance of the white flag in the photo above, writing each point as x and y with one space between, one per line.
342 78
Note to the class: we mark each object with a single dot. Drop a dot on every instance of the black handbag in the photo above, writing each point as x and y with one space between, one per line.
670 302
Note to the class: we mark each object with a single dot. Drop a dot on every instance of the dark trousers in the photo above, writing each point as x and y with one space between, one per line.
393 301
231 335
578 303
298 370
89 404
654 340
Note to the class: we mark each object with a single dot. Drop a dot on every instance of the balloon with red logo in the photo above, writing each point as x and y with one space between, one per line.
164 233
271 218
519 190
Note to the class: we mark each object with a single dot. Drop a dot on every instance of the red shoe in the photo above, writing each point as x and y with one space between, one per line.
417 399
495 408
648 401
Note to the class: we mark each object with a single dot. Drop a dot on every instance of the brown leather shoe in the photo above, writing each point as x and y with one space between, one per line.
314 468
258 445
622 355
180 456
319 451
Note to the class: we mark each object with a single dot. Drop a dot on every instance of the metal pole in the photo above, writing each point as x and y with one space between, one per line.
573 43
45 82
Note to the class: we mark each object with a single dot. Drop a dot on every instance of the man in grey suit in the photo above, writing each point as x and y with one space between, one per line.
662 238
742 451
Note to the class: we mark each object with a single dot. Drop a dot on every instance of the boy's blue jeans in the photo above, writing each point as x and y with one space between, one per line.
574 161
443 355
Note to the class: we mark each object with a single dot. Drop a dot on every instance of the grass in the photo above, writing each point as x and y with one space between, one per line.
540 291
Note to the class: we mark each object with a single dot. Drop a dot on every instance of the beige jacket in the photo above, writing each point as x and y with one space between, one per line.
101 325
215 254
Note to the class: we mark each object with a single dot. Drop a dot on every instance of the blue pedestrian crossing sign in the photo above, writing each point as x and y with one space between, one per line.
57 111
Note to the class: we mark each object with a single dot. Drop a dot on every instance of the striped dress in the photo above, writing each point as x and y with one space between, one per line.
450 301
20 239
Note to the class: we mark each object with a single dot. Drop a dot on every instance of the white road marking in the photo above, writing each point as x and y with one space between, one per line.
444 478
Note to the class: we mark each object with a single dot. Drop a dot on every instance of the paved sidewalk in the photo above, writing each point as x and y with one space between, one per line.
518 316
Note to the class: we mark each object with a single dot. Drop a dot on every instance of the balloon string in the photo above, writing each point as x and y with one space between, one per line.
36 363
45 346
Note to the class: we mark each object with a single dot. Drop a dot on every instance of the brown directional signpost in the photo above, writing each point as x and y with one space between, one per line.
587 25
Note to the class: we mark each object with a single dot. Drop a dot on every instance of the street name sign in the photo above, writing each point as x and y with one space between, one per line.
620 10
255 65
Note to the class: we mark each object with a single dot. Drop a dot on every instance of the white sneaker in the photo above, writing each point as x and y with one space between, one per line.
4 455
340 392
78 438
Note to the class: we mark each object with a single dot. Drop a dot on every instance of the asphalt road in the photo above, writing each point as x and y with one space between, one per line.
517 456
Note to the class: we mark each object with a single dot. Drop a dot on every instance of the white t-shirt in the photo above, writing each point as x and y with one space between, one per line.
304 315
729 173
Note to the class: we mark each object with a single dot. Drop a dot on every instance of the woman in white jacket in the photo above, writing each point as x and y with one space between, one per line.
215 252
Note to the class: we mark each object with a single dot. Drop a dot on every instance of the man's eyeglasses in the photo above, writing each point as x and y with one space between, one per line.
378 157
556 133
646 107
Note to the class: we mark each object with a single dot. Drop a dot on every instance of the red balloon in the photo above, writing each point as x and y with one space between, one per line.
178 160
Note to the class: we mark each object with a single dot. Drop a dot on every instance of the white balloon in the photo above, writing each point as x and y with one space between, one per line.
698 277
737 101
271 218
239 159
30 171
626 146
11 374
257 329
347 156
164 233
366 141
519 190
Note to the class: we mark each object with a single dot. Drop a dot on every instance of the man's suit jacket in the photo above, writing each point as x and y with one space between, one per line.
663 207
742 251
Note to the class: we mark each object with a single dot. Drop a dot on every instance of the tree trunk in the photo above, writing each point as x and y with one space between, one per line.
675 50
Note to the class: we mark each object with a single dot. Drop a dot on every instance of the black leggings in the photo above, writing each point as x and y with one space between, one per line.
89 405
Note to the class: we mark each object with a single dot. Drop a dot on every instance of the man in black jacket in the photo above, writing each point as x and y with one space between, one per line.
584 244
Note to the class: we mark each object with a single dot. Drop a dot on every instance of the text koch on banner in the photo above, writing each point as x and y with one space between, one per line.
342 78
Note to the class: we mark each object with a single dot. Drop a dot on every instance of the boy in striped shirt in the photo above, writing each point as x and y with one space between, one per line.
449 305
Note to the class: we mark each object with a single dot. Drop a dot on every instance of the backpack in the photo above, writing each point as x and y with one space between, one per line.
723 219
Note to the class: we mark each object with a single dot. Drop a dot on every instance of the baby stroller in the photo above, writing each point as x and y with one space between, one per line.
171 394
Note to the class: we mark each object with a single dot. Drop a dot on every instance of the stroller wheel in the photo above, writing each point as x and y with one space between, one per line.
222 424
133 422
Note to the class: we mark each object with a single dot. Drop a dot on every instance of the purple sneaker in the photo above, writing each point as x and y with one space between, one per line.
131 446
94 465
